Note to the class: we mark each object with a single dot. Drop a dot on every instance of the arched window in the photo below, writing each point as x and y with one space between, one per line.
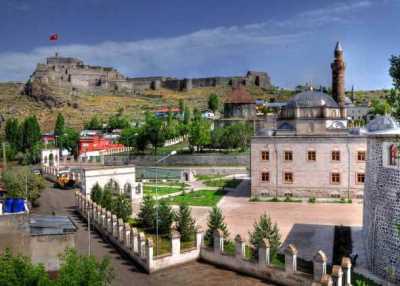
393 155
127 189
51 160
45 160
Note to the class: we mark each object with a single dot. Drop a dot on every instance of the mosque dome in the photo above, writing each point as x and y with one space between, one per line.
312 98
383 124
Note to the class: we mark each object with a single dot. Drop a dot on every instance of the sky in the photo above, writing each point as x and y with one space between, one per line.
292 40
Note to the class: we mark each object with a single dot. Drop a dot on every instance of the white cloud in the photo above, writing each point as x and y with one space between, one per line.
189 53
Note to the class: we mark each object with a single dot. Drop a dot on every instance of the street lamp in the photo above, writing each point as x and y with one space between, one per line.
157 162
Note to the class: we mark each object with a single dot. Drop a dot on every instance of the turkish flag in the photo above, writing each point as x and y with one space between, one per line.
53 37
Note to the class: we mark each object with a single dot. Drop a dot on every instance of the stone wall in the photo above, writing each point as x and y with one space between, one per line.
382 209
214 159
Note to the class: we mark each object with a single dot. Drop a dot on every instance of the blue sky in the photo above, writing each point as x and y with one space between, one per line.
292 40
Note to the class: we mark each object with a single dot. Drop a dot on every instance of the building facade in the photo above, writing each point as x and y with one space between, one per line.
121 178
381 214
311 152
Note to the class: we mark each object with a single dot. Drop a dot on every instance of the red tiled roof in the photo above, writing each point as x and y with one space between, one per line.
240 95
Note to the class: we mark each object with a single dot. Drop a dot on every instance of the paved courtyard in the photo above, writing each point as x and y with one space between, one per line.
308 226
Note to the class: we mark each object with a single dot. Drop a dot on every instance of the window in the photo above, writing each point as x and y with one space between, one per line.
361 155
335 155
265 155
393 155
335 178
360 178
288 176
312 156
288 156
265 176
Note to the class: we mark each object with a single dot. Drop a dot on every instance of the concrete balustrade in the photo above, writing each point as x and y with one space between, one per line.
142 244
319 265
134 241
264 253
218 241
346 265
337 275
240 247
127 235
291 259
175 243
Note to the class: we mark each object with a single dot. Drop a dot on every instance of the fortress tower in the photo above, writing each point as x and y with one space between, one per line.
338 69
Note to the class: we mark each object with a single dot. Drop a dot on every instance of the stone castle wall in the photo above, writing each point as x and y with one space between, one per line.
382 209
72 72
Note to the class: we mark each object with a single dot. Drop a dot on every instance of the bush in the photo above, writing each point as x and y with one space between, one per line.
312 200
96 194
185 224
121 207
265 229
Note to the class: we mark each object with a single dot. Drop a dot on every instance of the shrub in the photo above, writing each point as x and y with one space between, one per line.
96 194
165 218
312 200
121 207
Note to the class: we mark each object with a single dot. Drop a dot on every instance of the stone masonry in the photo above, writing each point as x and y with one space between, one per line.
382 209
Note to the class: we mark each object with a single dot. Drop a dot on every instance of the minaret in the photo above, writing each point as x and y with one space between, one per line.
338 68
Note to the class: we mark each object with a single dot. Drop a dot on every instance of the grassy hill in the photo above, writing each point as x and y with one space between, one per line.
78 107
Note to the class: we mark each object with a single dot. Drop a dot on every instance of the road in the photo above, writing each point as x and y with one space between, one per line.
195 273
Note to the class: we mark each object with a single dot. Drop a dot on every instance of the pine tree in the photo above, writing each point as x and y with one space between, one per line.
122 207
106 200
185 224
265 229
215 221
96 194
60 125
147 214
165 218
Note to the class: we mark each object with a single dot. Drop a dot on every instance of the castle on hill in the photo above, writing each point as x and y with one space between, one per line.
72 72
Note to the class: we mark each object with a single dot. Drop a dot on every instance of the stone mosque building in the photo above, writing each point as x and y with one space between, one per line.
312 152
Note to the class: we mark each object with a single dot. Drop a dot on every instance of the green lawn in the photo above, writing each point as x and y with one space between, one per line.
207 198
208 177
161 190
233 183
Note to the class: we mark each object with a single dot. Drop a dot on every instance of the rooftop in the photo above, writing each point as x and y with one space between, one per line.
51 225
241 96
312 98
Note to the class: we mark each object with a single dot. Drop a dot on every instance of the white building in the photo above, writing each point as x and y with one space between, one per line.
122 176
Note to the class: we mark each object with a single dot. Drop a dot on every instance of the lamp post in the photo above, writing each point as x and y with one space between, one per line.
157 204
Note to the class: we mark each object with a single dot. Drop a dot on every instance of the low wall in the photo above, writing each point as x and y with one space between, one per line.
213 159
262 267
133 243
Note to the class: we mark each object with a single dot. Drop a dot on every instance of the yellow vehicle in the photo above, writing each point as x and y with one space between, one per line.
64 180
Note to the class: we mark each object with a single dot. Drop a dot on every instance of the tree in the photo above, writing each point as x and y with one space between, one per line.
69 140
237 136
96 194
380 107
147 214
199 134
215 221
12 132
154 131
393 99
165 218
128 136
394 70
31 132
213 102
94 124
265 229
185 224
19 271
107 198
186 115
122 207
22 183
118 122
60 125
181 105
81 270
